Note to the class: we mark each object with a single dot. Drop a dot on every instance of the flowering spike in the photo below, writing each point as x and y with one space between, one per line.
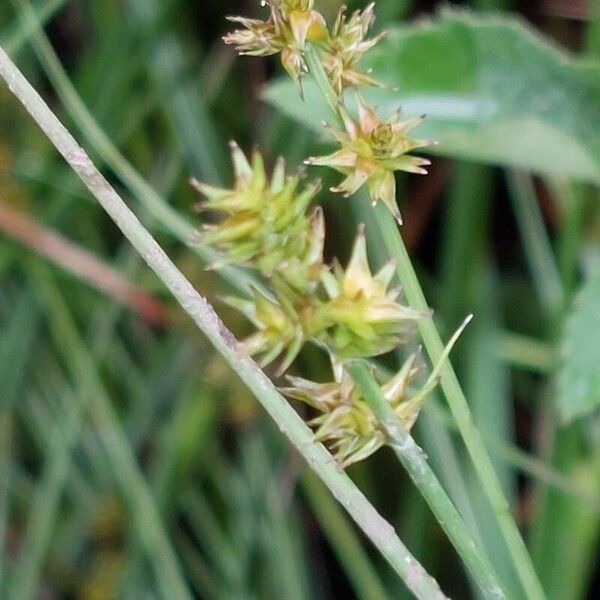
264 223
361 317
290 25
346 46
278 327
346 423
373 148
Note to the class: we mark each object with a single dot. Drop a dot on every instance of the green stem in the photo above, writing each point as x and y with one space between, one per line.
342 537
6 443
415 462
449 381
377 529
121 458
535 240
316 69
18 36
459 407
19 335
44 504
529 465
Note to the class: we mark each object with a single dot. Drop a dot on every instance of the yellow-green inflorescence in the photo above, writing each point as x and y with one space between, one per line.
266 223
371 150
345 46
346 423
291 24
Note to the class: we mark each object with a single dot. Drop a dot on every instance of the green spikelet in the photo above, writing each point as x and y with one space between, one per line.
346 424
362 316
264 224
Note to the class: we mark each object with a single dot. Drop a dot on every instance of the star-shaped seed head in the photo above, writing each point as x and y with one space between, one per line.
372 149
362 316
278 326
346 46
291 24
264 223
346 423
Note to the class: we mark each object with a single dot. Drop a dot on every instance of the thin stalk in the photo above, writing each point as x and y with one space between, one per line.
459 407
19 34
536 242
44 504
157 207
362 511
19 334
184 102
415 462
121 458
526 463
6 452
342 538
316 69
448 379
201 576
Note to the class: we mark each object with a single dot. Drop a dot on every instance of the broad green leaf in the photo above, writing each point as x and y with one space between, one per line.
494 92
579 375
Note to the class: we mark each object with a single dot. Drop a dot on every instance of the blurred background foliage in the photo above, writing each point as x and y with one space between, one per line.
117 420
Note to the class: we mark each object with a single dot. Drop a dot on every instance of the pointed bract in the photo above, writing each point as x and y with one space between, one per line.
346 46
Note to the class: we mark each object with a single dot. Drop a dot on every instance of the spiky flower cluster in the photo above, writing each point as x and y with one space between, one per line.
363 316
346 423
345 47
372 149
267 224
290 25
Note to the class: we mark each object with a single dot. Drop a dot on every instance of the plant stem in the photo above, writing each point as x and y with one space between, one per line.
449 382
377 529
342 538
19 36
459 407
415 462
535 241
6 443
121 458
316 69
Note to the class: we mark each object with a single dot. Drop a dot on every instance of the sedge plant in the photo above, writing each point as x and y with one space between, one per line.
370 149
265 223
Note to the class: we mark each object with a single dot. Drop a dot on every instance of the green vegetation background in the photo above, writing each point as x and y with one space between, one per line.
117 418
